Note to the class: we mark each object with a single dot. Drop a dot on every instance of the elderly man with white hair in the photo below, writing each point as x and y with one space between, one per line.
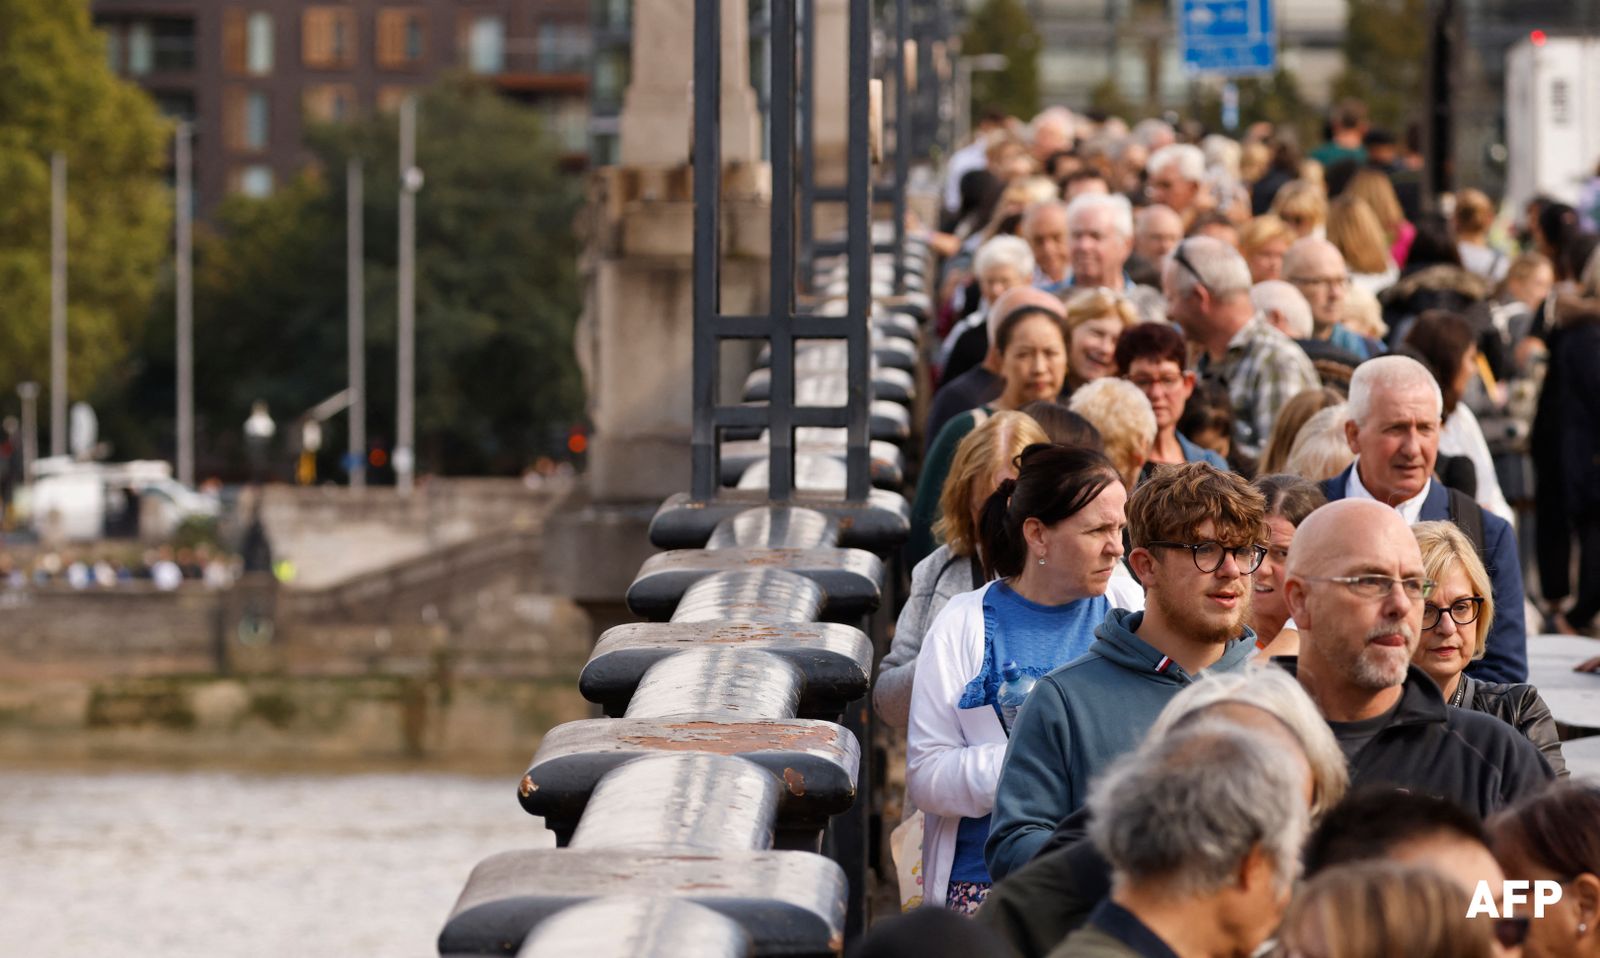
1100 239
1177 176
1203 830
1002 264
1050 133
1156 230
1283 306
1044 226
1208 295
1393 420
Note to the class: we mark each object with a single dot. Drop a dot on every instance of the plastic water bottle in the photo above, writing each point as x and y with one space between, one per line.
1014 688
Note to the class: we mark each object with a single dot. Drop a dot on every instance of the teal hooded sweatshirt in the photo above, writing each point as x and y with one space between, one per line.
1075 722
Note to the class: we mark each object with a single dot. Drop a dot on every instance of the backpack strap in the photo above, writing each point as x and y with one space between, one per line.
1468 517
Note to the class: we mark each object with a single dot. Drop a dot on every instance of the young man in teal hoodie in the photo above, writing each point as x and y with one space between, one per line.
1197 534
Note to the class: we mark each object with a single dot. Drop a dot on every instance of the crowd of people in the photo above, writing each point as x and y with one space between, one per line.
1227 461
165 568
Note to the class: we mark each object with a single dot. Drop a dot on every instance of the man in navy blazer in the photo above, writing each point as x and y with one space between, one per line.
1395 413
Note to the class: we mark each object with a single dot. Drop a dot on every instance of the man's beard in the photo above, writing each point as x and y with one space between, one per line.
1377 667
1184 618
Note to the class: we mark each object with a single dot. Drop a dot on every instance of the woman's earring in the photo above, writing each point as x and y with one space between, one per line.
1041 560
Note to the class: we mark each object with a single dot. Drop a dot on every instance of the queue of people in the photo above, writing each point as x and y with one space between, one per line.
1208 470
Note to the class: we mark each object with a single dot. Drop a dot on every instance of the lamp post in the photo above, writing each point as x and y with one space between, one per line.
258 432
29 394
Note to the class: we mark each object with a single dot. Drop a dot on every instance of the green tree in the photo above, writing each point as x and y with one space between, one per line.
1386 51
58 94
1275 99
497 296
1006 27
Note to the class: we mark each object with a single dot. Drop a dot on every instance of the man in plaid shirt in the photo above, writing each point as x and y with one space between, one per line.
1207 285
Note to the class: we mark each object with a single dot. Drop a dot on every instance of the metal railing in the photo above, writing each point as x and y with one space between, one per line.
722 807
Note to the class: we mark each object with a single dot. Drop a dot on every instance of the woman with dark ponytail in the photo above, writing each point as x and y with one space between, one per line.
1053 536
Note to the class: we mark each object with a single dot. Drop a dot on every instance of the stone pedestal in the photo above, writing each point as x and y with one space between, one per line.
635 338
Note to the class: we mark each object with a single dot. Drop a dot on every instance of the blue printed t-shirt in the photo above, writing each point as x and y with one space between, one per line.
1040 639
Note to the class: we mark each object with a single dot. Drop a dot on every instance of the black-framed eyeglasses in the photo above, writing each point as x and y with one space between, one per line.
1380 586
1511 932
1182 260
1463 611
1208 555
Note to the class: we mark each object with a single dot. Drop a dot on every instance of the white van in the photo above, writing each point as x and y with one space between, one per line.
85 501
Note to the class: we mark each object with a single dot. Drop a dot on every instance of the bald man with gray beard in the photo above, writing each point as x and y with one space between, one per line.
1355 588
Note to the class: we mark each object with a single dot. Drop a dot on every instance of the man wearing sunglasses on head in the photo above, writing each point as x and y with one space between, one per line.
1357 589
1207 285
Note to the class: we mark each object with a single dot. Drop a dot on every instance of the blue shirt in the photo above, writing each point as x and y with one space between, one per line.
1039 638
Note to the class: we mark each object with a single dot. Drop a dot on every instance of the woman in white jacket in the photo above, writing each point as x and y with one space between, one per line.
1054 536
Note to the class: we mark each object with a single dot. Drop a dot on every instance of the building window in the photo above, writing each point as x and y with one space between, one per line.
258 116
610 76
246 120
486 45
402 37
173 39
328 38
614 14
113 49
390 97
254 181
259 44
567 122
563 48
141 48
330 102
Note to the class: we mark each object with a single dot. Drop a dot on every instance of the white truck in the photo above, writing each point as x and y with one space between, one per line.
84 501
1552 117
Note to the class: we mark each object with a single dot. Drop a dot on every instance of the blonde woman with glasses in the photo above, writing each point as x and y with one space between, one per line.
1455 621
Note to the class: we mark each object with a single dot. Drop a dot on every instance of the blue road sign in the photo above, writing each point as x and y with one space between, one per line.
1228 37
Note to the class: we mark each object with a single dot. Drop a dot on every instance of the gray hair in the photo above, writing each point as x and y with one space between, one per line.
1057 116
1222 153
1143 218
1219 266
1387 372
1032 214
1190 161
1283 298
1276 692
1005 250
1149 130
1116 206
1182 812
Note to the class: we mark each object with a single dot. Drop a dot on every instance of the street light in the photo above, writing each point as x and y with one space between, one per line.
258 432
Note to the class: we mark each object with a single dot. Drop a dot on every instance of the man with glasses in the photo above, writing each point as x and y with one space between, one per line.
1208 295
1394 417
1356 589
1317 268
1197 534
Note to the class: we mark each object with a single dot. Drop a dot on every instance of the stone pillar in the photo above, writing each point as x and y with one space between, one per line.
635 341
658 106
833 107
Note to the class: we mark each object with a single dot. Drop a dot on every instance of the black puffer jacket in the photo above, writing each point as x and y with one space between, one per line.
1566 429
1518 705
1441 286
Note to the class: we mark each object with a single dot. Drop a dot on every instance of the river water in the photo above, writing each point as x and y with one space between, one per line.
224 865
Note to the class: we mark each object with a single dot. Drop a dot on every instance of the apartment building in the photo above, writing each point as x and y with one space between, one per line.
252 75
